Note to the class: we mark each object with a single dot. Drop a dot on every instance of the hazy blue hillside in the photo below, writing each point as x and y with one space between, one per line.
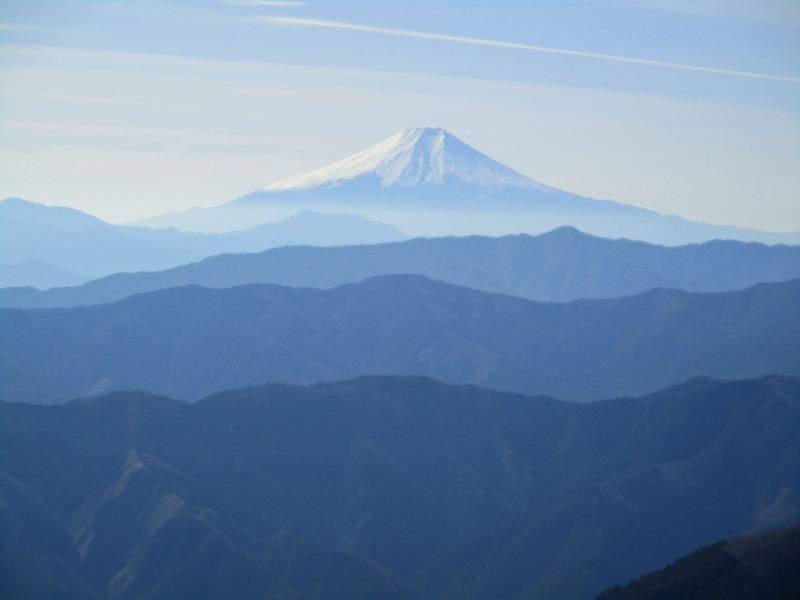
78 242
59 217
561 265
33 272
371 487
82 243
191 341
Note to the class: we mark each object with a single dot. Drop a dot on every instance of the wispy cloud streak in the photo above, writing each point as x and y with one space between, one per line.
501 44
263 3
18 27
117 101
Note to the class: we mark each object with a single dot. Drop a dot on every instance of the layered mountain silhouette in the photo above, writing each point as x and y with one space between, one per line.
385 488
390 477
561 265
188 342
427 181
32 272
764 566
72 244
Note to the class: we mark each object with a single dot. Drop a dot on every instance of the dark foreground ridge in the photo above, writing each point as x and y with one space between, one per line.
764 566
385 487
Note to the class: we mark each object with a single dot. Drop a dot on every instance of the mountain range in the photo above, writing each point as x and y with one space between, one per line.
385 487
188 342
156 440
44 246
428 182
561 265
422 178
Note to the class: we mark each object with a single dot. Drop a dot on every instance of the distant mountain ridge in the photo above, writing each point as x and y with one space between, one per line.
32 272
69 239
59 217
561 265
190 341
428 182
399 488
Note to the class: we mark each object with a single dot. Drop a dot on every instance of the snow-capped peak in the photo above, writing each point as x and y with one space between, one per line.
420 156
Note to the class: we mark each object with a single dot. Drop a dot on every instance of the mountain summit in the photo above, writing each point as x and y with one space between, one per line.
413 158
425 181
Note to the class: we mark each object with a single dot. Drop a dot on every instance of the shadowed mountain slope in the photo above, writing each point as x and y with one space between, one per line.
764 566
362 488
188 342
561 265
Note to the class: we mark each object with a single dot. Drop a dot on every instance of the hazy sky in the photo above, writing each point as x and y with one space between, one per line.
130 108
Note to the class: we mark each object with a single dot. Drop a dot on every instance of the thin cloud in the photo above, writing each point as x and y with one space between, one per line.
17 27
117 101
776 12
501 44
263 3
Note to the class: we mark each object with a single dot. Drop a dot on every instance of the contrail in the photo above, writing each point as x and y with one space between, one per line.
484 42
263 3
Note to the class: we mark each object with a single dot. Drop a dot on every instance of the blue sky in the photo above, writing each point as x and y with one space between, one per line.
127 109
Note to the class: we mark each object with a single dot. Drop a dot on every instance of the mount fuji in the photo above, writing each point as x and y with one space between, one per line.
428 182
418 159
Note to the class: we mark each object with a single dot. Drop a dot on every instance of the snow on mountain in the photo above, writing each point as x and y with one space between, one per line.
427 182
416 157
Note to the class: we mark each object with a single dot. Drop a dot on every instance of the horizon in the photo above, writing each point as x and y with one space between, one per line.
127 110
